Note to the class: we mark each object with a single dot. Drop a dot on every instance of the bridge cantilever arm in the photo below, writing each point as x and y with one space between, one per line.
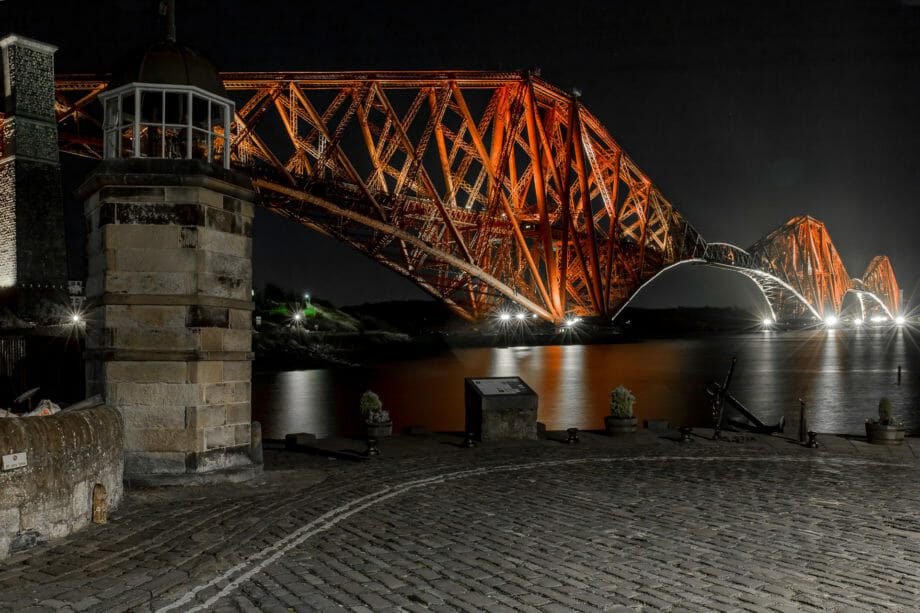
415 241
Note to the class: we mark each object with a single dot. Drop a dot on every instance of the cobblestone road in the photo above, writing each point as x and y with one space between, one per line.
646 524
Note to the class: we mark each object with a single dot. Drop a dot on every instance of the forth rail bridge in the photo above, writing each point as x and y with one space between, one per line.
484 188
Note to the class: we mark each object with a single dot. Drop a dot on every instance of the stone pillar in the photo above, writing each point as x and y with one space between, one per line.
33 257
169 291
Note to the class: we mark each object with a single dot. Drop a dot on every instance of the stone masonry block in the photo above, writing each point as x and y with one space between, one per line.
145 316
224 264
239 413
147 372
237 371
141 237
155 260
157 416
207 317
193 195
171 339
224 436
243 434
159 440
157 395
212 339
205 416
130 193
222 242
188 237
155 283
152 463
237 340
205 372
240 319
226 393
223 286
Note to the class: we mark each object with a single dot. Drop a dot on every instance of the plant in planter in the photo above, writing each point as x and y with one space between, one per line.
885 430
621 419
376 420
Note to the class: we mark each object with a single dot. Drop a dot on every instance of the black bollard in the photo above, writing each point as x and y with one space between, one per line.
468 440
371 447
812 439
803 425
899 374
685 434
573 435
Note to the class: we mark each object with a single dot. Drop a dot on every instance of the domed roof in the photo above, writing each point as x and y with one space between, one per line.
171 63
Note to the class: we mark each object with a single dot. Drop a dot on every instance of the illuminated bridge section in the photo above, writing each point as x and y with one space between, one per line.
799 271
484 188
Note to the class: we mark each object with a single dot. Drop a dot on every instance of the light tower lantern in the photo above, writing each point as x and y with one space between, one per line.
173 106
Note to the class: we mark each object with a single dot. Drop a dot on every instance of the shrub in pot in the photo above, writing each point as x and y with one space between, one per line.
377 421
885 430
621 419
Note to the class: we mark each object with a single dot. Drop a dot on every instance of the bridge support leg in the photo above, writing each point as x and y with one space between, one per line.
169 282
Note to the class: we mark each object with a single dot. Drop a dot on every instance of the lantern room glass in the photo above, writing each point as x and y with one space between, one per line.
167 122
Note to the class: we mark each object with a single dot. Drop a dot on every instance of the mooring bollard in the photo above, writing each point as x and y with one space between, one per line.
99 507
803 425
685 434
371 447
812 439
468 442
573 435
899 374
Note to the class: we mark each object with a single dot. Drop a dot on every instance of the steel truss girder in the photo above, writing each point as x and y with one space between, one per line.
484 188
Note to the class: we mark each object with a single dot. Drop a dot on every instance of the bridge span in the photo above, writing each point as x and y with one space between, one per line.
484 188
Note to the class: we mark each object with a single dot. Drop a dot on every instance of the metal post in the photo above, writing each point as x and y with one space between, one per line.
803 426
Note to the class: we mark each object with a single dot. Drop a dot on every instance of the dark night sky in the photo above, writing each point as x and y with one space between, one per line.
744 114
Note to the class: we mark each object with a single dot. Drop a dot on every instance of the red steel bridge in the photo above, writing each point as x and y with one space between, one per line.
486 189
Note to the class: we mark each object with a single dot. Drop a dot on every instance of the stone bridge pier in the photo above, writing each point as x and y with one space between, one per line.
168 336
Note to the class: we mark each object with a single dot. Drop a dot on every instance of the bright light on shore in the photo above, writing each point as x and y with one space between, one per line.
504 316
767 322
858 321
877 319
520 316
899 320
572 321
831 320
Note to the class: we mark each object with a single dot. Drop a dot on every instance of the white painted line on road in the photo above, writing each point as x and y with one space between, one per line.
257 562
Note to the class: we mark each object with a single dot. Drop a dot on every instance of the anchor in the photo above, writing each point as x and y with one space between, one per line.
720 395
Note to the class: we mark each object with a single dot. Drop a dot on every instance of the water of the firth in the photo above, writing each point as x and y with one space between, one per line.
841 374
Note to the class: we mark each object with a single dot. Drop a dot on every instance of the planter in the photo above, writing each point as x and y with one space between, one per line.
884 434
619 425
378 430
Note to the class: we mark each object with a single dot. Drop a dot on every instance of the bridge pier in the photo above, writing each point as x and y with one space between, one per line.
168 335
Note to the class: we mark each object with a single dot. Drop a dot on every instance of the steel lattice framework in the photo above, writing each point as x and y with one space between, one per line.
484 188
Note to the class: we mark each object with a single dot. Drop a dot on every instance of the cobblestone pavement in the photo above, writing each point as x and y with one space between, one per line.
632 523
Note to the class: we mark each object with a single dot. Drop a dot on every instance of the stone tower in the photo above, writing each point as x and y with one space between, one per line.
169 272
33 258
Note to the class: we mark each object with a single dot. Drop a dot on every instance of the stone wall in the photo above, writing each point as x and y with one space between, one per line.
67 455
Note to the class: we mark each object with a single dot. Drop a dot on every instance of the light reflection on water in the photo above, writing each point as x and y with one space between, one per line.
841 374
